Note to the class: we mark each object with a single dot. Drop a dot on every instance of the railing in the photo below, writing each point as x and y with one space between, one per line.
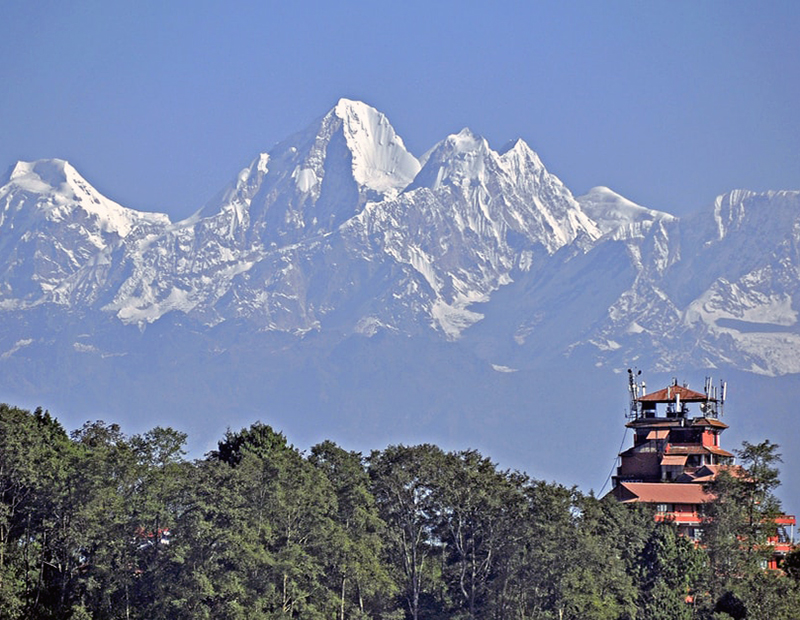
681 518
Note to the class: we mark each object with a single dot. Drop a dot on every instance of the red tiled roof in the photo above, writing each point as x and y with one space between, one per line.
718 451
673 459
709 422
662 434
667 395
677 448
662 493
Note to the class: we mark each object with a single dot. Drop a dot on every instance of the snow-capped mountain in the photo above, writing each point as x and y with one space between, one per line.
741 278
308 227
241 255
471 218
315 180
58 234
342 286
339 229
617 216
714 290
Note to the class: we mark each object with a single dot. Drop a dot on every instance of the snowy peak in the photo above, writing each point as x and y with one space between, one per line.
471 220
519 157
464 160
733 216
353 140
616 215
340 228
380 159
48 177
729 211
58 234
463 142
742 209
457 160
312 182
466 156
41 175
55 190
512 189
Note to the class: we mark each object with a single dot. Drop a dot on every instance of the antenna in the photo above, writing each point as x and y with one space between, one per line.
710 406
633 389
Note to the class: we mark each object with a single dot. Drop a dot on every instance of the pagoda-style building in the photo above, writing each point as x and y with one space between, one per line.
676 452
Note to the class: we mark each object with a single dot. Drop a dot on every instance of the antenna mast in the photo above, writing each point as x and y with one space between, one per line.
633 389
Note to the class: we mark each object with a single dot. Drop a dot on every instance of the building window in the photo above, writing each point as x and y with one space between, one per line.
662 507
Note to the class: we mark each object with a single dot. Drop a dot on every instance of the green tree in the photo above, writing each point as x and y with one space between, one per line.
402 484
288 507
562 557
33 452
213 550
355 557
478 507
596 583
159 499
102 488
767 594
791 565
671 567
756 491
742 516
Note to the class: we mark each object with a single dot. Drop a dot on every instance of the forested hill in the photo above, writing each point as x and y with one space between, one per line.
98 524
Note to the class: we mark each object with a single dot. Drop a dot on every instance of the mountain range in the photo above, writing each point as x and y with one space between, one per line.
341 286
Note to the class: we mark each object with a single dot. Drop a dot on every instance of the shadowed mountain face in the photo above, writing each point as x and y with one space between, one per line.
342 287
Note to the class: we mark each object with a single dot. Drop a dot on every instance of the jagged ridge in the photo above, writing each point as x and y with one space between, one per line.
340 227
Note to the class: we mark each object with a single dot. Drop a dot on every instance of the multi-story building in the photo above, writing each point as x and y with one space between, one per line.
676 452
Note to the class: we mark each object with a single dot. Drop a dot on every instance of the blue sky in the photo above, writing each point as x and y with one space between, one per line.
159 104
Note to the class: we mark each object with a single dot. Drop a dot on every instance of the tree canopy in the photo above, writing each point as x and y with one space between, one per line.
102 525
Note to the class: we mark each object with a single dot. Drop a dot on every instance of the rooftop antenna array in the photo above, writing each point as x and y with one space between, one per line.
715 397
635 391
